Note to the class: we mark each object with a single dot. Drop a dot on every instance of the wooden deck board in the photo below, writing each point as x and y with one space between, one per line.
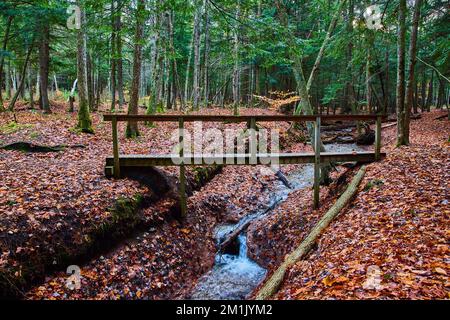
241 159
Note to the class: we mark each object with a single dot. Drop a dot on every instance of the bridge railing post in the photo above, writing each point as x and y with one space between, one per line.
183 200
378 139
253 142
317 163
115 149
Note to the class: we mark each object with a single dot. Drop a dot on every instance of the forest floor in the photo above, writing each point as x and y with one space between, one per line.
53 204
392 241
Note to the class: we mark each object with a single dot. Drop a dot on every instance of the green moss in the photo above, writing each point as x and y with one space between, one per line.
13 127
34 135
373 183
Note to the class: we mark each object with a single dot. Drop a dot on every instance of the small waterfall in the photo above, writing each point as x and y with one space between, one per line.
234 275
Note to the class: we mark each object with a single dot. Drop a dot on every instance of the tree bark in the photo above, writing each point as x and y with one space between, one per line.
412 64
44 61
133 108
84 119
196 74
22 79
206 57
237 64
119 58
2 60
113 57
401 39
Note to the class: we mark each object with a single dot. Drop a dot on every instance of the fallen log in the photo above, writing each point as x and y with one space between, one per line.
30 147
236 232
441 117
389 125
272 285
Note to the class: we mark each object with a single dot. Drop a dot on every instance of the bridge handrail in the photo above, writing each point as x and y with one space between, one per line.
231 118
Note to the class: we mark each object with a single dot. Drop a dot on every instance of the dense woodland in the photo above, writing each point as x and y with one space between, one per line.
189 55
381 230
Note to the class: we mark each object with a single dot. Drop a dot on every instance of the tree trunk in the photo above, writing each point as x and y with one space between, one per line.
196 75
44 60
133 108
30 87
2 60
401 39
119 58
412 64
84 119
206 59
22 79
237 65
113 57
331 28
430 92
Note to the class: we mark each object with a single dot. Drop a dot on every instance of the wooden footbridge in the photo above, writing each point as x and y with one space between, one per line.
117 162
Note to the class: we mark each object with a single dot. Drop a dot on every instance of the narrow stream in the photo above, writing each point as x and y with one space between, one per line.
234 275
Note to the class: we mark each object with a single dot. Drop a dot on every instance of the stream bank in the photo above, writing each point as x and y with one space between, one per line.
239 270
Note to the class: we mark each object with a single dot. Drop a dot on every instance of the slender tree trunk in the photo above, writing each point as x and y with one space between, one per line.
30 87
44 60
22 79
113 57
423 88
2 60
401 38
237 64
119 58
90 81
331 28
133 108
196 75
412 64
430 92
188 70
206 59
84 118
176 78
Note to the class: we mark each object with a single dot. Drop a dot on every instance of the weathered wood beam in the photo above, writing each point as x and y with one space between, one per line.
242 159
116 149
231 118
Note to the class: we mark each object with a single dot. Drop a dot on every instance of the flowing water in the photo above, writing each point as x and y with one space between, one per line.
234 276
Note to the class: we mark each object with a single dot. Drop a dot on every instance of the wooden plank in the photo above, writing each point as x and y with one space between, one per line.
253 143
243 159
378 139
316 163
183 198
116 149
231 118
